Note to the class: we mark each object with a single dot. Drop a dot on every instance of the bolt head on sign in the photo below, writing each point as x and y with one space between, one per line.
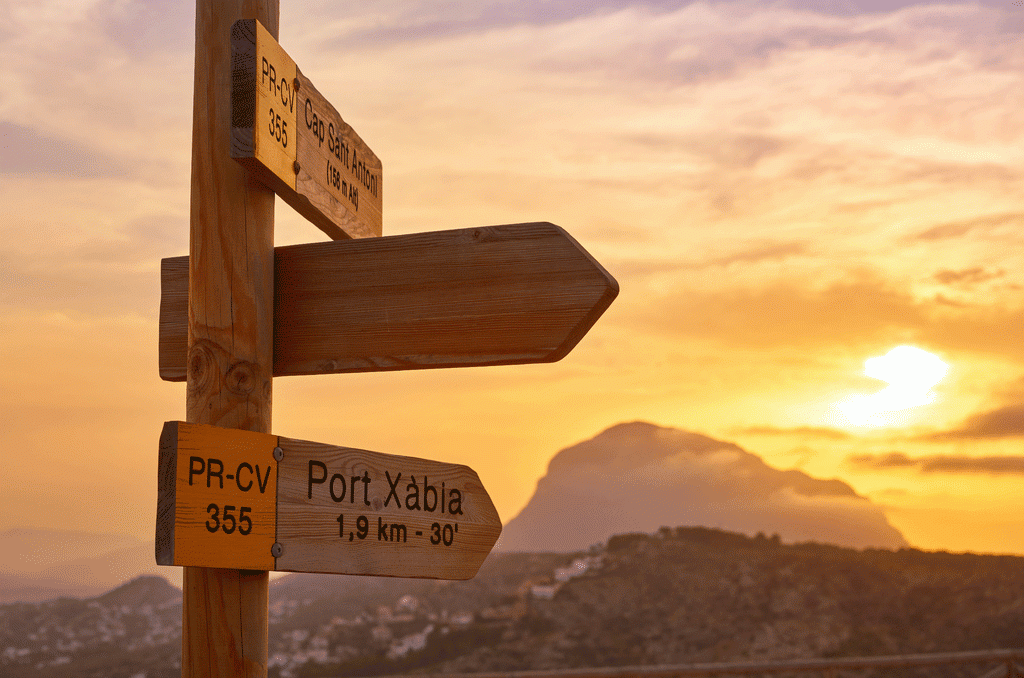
243 500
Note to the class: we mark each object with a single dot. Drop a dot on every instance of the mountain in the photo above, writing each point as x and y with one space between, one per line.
38 565
638 477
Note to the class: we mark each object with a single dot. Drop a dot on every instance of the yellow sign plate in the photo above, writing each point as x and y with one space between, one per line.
275 135
225 486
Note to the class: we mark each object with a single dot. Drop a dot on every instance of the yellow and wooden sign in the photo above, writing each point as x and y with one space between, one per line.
243 500
293 140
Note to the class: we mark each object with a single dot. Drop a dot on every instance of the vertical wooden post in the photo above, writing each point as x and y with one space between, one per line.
230 334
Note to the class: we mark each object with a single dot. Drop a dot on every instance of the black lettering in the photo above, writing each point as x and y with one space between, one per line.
399 533
192 470
321 479
286 99
238 477
428 492
412 497
455 502
244 521
228 515
266 69
273 78
382 530
393 492
213 510
442 497
265 479
352 494
210 473
366 488
335 497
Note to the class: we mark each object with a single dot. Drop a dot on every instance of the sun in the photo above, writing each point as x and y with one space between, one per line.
911 374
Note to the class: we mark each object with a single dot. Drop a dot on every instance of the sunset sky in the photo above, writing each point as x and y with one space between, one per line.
783 190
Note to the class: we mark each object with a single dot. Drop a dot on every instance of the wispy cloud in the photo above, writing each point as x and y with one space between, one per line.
27 151
1002 422
993 465
958 229
968 276
796 431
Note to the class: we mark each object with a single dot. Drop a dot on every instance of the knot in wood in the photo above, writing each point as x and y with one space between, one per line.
241 378
202 365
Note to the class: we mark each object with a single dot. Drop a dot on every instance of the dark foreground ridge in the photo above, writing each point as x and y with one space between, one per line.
680 596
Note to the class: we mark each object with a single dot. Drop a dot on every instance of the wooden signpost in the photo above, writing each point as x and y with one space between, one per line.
499 295
294 140
256 501
236 501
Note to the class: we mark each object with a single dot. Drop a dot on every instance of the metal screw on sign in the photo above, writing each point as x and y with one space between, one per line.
276 550
278 454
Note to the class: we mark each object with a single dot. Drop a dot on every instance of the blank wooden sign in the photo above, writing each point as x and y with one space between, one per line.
242 500
498 295
294 141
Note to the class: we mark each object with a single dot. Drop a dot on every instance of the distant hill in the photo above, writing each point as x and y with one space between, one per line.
142 591
37 565
638 477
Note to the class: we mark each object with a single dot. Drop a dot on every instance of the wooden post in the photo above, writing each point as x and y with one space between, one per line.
230 334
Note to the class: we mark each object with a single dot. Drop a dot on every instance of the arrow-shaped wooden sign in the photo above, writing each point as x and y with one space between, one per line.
498 295
294 141
243 500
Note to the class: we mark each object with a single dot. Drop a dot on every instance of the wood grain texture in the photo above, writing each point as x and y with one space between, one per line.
173 323
230 333
439 523
498 295
310 157
166 489
338 174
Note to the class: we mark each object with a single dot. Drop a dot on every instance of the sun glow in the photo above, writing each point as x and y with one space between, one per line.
910 372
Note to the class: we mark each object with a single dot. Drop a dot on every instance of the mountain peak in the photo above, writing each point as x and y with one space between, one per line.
638 477
634 444
147 589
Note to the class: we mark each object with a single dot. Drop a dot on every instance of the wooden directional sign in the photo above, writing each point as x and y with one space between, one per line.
294 140
242 500
497 295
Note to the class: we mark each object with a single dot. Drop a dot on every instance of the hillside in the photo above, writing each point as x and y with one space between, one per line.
695 595
681 595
